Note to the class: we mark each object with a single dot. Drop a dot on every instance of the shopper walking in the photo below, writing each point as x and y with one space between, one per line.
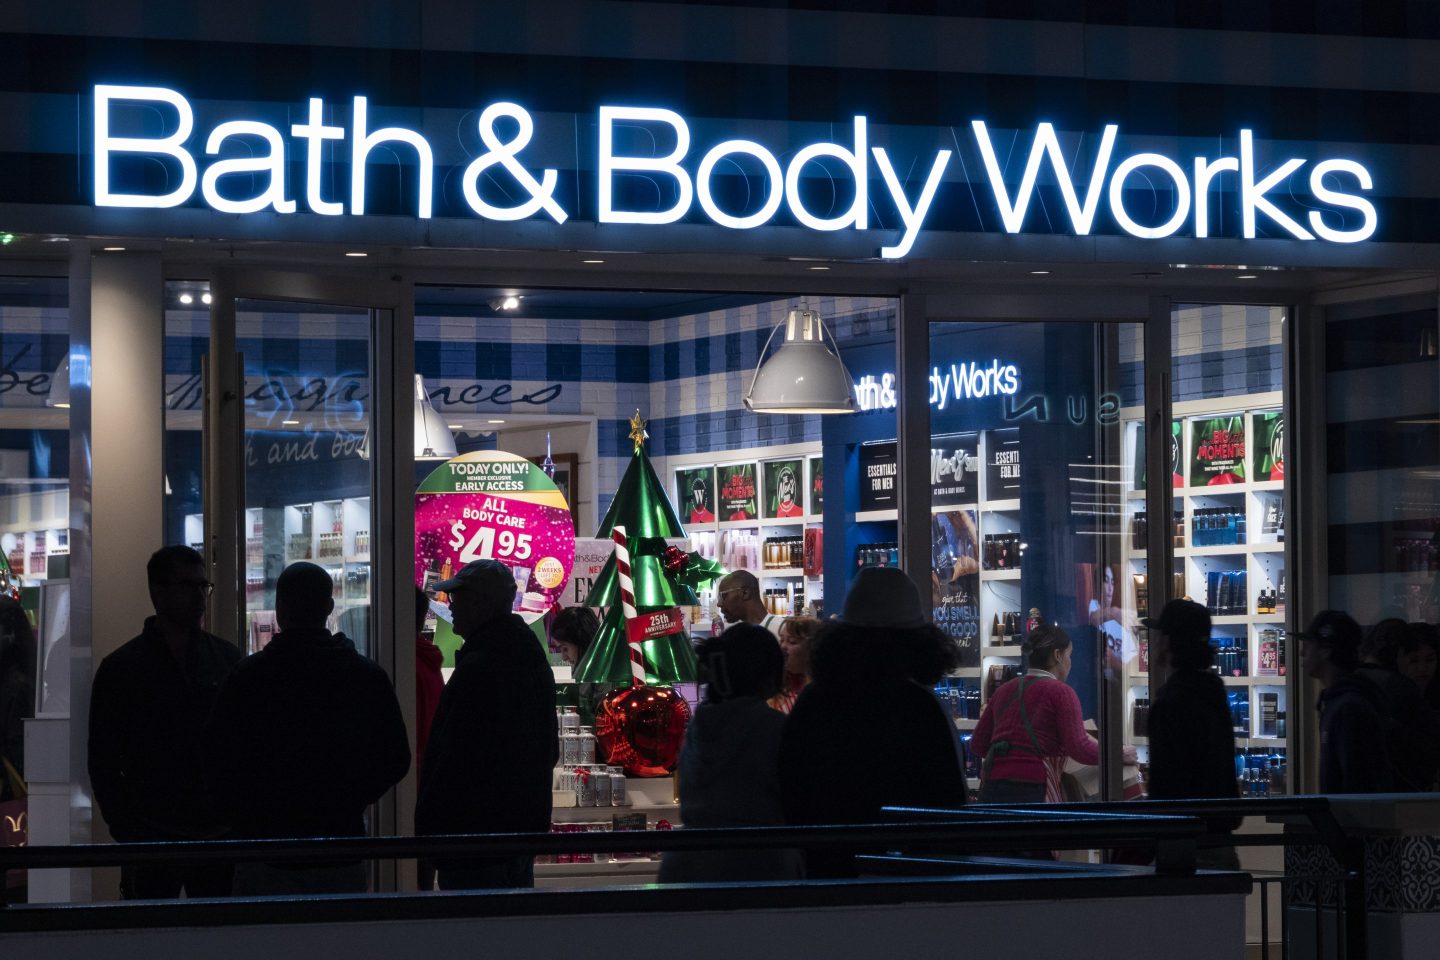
1032 724
1192 737
729 766
305 735
1354 757
495 742
797 636
868 731
148 705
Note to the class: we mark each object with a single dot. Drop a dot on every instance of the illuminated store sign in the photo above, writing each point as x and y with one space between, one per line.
261 153
958 381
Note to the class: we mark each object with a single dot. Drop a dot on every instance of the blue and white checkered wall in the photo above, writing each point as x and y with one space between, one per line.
1218 350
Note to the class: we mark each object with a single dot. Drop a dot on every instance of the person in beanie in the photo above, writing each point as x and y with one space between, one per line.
1353 753
1192 737
868 732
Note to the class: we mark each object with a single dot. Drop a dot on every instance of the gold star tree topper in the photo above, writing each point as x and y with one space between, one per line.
638 433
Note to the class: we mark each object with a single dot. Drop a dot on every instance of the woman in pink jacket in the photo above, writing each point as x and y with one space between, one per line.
1032 724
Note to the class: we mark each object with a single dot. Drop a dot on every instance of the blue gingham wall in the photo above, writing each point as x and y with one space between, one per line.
1218 350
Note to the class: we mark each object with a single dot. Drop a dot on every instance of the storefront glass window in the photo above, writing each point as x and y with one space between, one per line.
307 482
187 342
1031 478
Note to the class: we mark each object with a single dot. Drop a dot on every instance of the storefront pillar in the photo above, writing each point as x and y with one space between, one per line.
117 484
912 360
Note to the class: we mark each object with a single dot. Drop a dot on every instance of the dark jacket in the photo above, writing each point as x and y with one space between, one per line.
1192 740
1353 753
305 735
1412 738
494 742
730 777
147 714
860 738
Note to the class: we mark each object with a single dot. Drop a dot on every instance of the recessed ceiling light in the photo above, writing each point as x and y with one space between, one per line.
114 249
494 421
205 298
819 268
456 426
186 299
357 253
1039 273
290 423
592 261
1246 276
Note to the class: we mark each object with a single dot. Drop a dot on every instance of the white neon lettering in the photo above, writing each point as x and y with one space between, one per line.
1347 200
1252 194
772 173
859 212
361 143
668 165
1117 196
961 381
273 162
1045 143
542 191
169 146
1205 172
914 217
317 132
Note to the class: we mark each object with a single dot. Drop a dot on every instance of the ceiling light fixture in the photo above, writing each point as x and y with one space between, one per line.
114 249
819 268
290 423
357 253
59 395
433 439
1246 276
205 299
592 261
494 421
511 301
1039 273
803 375
186 299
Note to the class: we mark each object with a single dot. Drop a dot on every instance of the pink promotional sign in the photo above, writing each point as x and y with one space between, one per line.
493 505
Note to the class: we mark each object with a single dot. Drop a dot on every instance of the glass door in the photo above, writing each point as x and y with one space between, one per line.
1032 482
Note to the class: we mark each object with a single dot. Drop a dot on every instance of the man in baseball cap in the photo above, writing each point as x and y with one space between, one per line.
1353 753
493 742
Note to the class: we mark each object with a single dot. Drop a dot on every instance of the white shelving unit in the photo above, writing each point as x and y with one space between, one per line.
1251 641
33 528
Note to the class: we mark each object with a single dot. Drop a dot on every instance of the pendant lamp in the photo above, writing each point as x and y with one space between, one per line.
59 395
433 439
803 375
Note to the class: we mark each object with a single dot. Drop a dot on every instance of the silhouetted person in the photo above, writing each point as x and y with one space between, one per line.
17 686
1353 753
738 595
729 766
868 732
148 706
429 685
1412 737
1192 736
305 735
494 743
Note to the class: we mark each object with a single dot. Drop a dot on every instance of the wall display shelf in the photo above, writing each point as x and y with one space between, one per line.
34 530
1229 536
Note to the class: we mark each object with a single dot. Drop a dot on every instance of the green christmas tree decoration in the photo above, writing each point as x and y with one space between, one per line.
645 512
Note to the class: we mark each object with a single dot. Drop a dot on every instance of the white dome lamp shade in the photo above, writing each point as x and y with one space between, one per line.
433 439
803 375
59 395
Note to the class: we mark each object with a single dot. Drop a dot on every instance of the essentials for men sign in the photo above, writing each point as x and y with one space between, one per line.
246 166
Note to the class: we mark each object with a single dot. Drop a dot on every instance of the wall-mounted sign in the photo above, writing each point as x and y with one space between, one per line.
323 163
817 486
695 492
879 476
737 492
784 489
1002 464
1217 451
1269 450
954 469
953 383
